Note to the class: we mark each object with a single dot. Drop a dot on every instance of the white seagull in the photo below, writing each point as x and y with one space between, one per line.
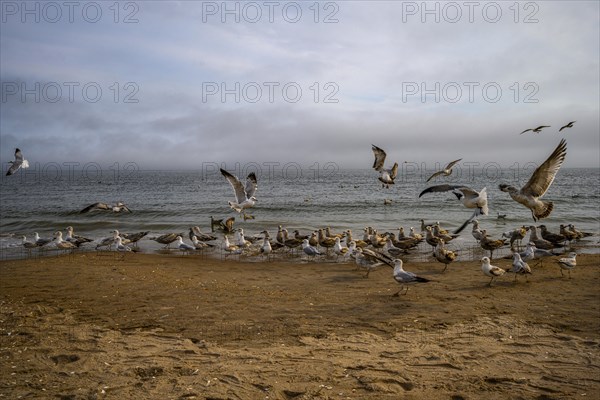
404 277
490 270
529 195
244 195
568 263
184 247
19 162
519 266
309 250
386 176
469 197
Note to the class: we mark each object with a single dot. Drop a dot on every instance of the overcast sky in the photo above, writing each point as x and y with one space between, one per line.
173 85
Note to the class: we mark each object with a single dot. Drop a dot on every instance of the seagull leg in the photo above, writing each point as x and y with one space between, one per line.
490 284
407 287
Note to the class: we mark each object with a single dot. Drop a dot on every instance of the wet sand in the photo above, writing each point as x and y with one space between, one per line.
85 326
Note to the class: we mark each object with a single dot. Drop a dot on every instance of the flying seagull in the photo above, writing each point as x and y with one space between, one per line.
535 130
469 197
244 196
386 176
538 184
569 125
18 163
118 207
446 171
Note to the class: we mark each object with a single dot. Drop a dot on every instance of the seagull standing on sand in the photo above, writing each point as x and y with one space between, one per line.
529 195
244 195
490 270
386 176
569 125
568 263
61 244
405 277
19 162
469 197
520 267
309 250
446 171
184 247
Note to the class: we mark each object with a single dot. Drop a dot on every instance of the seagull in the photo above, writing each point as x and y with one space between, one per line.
476 232
386 176
520 267
446 171
61 244
404 277
230 248
117 208
40 241
490 244
469 197
28 245
444 255
568 263
120 247
339 249
244 196
166 239
109 241
370 260
75 239
535 130
266 247
199 245
184 247
18 163
538 184
569 125
309 250
135 237
490 270
204 237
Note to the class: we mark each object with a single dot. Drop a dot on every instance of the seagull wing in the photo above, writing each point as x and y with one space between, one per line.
99 206
544 175
440 188
15 164
453 163
526 130
394 171
379 158
434 175
251 185
238 188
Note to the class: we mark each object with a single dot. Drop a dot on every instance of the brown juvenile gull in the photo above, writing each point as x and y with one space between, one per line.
386 176
446 171
529 195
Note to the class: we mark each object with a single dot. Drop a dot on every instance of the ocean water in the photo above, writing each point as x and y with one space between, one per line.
304 198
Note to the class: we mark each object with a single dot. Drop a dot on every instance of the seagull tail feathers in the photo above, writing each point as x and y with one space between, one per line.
543 211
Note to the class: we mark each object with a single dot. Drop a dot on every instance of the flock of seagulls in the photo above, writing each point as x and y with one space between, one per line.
374 249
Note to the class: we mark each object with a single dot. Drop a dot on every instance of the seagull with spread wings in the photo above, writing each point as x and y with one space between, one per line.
386 176
529 195
244 195
19 162
569 125
446 171
535 130
469 197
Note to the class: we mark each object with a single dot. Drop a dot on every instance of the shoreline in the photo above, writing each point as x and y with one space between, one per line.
155 326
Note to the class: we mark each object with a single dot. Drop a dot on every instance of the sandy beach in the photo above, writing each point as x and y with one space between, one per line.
85 326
